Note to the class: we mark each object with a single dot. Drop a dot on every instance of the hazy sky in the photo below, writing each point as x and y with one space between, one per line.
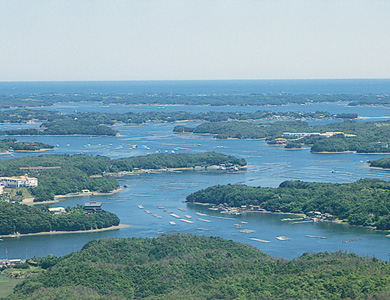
193 39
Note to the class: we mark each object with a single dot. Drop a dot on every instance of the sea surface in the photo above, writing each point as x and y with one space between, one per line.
268 166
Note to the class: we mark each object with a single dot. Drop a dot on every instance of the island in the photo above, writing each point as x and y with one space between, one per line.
347 136
364 202
9 145
19 219
77 174
183 266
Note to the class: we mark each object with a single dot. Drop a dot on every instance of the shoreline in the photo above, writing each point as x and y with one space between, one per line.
81 194
197 168
120 226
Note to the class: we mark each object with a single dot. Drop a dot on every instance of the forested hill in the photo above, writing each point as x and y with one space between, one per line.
73 173
198 267
19 218
365 202
361 137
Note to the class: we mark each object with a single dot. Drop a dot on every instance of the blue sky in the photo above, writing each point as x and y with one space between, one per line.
193 40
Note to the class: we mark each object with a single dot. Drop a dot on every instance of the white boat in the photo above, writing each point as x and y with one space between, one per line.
204 220
188 216
172 223
259 240
140 206
187 221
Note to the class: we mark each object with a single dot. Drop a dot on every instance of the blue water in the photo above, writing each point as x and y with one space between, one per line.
268 166
319 86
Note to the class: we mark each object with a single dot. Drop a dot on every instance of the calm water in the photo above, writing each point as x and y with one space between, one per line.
268 166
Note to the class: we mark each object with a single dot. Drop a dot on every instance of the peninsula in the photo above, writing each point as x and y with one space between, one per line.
364 202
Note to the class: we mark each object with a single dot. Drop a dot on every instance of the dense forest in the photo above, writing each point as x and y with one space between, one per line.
40 100
81 171
20 218
365 202
197 267
380 163
364 137
14 145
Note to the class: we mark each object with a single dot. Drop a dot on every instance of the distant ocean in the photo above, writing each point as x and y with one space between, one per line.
196 87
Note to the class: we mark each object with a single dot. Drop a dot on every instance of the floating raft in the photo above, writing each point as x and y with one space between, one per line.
259 240
353 240
246 231
200 214
316 236
204 220
282 238
187 221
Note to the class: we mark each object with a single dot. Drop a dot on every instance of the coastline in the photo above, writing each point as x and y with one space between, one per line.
197 168
58 197
66 232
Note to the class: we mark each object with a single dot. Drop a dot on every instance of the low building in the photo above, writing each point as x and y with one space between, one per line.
21 181
57 210
93 207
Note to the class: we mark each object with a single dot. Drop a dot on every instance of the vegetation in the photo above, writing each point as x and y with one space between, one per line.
75 173
20 218
380 163
365 202
197 267
39 100
7 285
14 145
365 137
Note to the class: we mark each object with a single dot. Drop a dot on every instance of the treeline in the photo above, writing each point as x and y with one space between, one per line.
20 218
14 145
380 163
365 202
198 267
97 118
364 137
81 171
39 100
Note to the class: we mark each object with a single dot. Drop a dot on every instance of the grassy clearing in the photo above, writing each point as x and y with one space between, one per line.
7 285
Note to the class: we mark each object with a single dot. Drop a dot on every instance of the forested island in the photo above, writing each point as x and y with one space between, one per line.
360 137
365 202
66 174
197 267
383 163
7 145
22 219
49 99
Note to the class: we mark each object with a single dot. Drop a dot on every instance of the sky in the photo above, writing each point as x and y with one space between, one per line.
66 40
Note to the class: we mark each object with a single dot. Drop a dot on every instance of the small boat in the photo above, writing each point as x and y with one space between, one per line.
204 229
181 209
172 223
140 206
316 236
160 207
246 231
148 211
188 216
157 216
200 214
282 238
175 216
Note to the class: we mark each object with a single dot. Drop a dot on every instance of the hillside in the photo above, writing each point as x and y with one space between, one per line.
197 267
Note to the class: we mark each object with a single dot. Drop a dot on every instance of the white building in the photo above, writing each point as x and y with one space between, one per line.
22 181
